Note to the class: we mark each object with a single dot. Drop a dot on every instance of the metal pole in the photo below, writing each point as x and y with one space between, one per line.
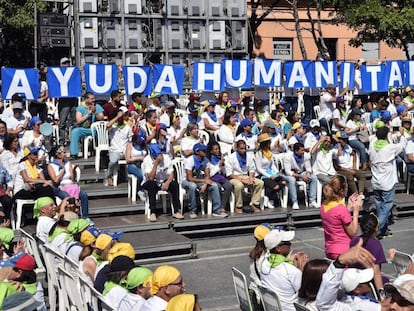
35 34
76 33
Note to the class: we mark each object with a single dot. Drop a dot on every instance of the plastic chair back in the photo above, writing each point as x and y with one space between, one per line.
242 290
270 299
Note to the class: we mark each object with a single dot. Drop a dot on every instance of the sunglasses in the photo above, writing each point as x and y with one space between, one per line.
287 243
180 283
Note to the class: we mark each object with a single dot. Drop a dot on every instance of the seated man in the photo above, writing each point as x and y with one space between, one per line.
159 175
196 177
345 167
45 209
86 114
241 170
280 271
324 153
166 283
297 167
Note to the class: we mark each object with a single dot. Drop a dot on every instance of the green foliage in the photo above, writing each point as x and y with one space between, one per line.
375 20
17 26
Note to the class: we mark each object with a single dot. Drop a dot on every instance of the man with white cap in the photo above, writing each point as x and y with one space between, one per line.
280 271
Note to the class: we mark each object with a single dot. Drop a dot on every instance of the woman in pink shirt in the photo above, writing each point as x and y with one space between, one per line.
338 224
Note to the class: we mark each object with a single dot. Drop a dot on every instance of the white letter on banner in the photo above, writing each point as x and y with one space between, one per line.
106 87
167 79
374 70
241 72
63 79
395 74
320 73
131 72
20 84
203 76
265 77
346 75
298 75
410 73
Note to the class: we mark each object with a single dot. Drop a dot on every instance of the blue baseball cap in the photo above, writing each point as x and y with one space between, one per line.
342 134
199 146
385 115
246 122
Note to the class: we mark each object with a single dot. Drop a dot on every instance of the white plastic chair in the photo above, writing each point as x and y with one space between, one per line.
100 139
55 133
316 110
242 290
132 187
19 211
91 297
115 176
205 136
33 248
86 142
400 262
71 292
270 299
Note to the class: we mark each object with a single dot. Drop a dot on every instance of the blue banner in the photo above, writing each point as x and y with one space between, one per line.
374 78
347 74
237 73
137 79
168 79
23 81
267 72
101 79
64 82
299 74
207 77
395 73
324 73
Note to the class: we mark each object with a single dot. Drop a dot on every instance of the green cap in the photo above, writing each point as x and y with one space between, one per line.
6 236
40 202
379 124
137 276
78 225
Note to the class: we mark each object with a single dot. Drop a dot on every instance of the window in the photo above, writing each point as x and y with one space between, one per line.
282 48
370 51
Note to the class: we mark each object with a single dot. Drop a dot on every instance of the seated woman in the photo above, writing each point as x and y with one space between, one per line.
6 191
134 155
11 156
30 182
63 175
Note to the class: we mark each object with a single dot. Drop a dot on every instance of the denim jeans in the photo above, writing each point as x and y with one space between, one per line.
325 124
360 148
292 188
75 136
66 121
384 200
137 172
84 204
191 188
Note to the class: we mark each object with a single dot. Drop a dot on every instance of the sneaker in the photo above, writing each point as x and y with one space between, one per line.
178 216
295 205
314 205
153 218
193 215
220 214
142 195
265 201
270 204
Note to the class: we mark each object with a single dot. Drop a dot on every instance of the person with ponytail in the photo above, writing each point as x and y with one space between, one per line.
369 227
338 224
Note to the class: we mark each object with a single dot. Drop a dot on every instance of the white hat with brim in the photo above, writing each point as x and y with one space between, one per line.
353 277
275 237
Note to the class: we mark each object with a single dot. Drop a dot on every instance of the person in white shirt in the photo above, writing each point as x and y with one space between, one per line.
298 167
384 175
241 171
159 175
227 131
192 117
138 285
45 210
346 164
188 142
281 271
119 141
244 132
323 166
327 105
167 116
339 115
166 283
212 121
312 137
18 122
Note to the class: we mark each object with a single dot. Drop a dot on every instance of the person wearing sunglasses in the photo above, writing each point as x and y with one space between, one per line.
166 283
400 294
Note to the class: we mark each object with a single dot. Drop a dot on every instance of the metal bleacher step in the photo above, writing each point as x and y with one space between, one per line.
99 191
121 205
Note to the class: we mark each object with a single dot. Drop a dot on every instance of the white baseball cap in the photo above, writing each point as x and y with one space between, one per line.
353 277
276 236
